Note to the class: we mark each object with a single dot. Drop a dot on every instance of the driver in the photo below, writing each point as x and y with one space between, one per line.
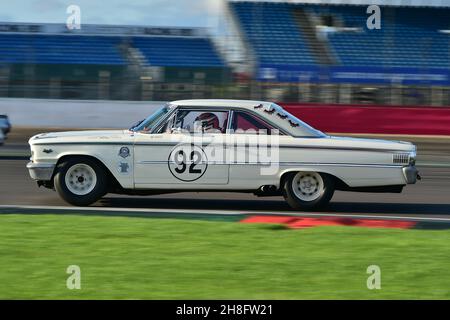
209 122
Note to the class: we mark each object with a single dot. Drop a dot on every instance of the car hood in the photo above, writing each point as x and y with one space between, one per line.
87 136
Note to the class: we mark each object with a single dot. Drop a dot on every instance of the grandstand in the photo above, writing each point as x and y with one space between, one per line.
330 44
283 34
272 32
291 51
408 37
59 49
178 51
116 58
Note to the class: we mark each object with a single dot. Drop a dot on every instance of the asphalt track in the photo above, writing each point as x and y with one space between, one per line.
429 199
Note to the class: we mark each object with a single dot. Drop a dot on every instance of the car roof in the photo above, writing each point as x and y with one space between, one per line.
220 103
302 129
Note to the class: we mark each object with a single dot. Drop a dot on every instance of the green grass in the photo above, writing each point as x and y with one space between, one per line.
143 258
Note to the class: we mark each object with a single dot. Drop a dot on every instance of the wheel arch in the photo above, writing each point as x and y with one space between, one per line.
113 181
339 182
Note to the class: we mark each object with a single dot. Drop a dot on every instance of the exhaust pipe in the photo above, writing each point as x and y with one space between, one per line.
267 190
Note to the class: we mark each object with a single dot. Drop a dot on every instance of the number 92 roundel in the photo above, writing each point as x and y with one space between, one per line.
187 162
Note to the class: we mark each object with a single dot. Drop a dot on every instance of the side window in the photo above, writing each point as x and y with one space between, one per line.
246 123
201 121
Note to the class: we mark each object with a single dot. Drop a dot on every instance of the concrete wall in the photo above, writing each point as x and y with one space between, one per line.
75 113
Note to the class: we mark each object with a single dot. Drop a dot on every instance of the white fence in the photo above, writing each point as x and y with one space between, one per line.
75 113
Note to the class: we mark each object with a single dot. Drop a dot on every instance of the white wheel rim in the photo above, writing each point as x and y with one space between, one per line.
307 186
80 179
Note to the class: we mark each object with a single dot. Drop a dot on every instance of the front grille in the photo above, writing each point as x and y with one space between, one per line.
400 158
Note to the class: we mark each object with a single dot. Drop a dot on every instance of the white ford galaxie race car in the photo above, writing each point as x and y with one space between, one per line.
218 145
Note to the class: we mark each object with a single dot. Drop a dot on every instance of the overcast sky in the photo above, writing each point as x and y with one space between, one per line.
198 13
192 13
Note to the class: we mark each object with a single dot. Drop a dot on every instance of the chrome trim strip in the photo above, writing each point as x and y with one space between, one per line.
83 143
340 148
245 146
285 164
337 164
230 120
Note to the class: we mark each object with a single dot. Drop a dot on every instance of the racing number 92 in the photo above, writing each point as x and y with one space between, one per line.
195 159
187 162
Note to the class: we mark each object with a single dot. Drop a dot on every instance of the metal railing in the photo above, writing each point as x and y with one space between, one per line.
285 92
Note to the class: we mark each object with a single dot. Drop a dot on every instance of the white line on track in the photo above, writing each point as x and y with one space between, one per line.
220 212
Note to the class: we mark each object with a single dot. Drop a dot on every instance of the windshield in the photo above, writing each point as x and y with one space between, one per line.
148 123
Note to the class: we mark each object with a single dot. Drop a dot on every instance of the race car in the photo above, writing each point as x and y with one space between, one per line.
5 125
219 145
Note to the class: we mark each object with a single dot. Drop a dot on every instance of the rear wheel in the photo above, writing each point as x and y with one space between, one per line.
80 181
308 190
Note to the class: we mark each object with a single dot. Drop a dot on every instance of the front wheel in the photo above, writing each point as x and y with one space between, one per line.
308 190
80 181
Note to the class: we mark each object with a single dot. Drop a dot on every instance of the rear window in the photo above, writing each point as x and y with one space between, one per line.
245 122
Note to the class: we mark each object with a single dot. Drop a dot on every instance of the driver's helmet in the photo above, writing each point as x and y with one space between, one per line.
209 121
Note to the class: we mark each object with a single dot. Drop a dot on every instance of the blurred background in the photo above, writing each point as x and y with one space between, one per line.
77 64
287 51
343 66
318 59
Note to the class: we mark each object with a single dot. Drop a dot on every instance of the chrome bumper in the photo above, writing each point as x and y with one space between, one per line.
40 171
411 174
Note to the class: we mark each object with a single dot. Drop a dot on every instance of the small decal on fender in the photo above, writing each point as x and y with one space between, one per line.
124 152
124 167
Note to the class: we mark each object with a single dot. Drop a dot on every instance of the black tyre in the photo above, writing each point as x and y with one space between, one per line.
80 181
308 190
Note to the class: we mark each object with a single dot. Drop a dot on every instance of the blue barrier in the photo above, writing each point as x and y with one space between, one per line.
357 75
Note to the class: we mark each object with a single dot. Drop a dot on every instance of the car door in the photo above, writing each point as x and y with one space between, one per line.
178 154
257 163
